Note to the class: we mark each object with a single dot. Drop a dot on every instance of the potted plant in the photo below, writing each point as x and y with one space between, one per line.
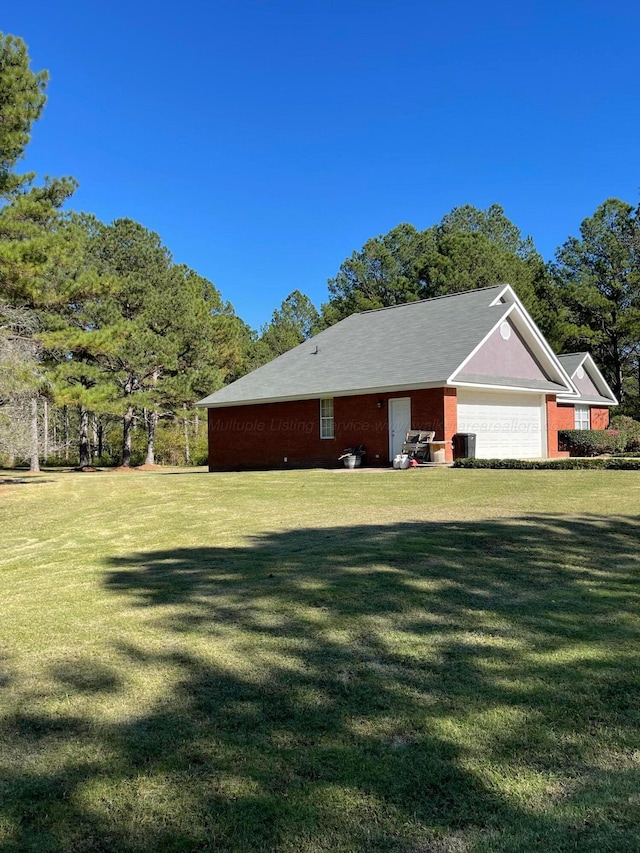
352 456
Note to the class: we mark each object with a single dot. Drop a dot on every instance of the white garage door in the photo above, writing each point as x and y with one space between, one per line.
507 425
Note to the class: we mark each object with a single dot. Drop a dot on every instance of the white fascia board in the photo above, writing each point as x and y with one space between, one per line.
600 381
356 392
574 397
581 362
463 364
534 337
508 291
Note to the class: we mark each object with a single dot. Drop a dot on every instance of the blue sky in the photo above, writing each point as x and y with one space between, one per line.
265 140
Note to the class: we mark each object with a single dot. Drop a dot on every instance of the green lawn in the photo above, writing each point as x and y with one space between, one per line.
410 661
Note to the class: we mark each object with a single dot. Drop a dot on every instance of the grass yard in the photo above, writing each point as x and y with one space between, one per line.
430 661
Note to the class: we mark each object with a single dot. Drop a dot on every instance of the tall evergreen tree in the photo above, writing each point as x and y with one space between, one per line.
598 275
73 341
137 335
132 264
22 100
384 272
293 322
468 249
28 214
201 344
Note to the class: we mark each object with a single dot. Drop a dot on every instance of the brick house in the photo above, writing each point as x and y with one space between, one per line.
590 410
469 362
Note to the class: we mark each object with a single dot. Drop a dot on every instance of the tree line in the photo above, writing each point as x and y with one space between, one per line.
588 298
106 343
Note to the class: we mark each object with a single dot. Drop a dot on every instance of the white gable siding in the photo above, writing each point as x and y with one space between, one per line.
505 354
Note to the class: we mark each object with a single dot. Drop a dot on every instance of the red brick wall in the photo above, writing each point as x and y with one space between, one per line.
599 418
430 410
566 417
556 419
563 417
261 436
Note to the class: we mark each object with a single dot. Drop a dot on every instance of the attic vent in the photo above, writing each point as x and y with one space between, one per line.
580 373
505 331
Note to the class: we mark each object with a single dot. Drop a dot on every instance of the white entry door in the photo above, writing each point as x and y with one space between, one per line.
399 424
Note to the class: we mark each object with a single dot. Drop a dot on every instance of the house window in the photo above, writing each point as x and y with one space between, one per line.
326 418
582 417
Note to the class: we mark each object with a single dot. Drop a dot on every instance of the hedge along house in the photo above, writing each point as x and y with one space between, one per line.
590 410
469 362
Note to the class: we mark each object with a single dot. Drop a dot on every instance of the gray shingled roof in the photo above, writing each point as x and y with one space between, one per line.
405 346
571 361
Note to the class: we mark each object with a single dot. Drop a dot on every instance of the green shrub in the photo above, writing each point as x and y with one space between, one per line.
591 442
631 430
610 464
171 446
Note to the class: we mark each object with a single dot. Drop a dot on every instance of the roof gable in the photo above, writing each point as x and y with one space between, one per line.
504 353
590 384
584 383
528 363
415 345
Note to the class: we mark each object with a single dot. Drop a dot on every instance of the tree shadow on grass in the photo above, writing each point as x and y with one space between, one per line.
408 687
33 480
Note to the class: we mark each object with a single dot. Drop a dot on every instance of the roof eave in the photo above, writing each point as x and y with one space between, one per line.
322 395
586 400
